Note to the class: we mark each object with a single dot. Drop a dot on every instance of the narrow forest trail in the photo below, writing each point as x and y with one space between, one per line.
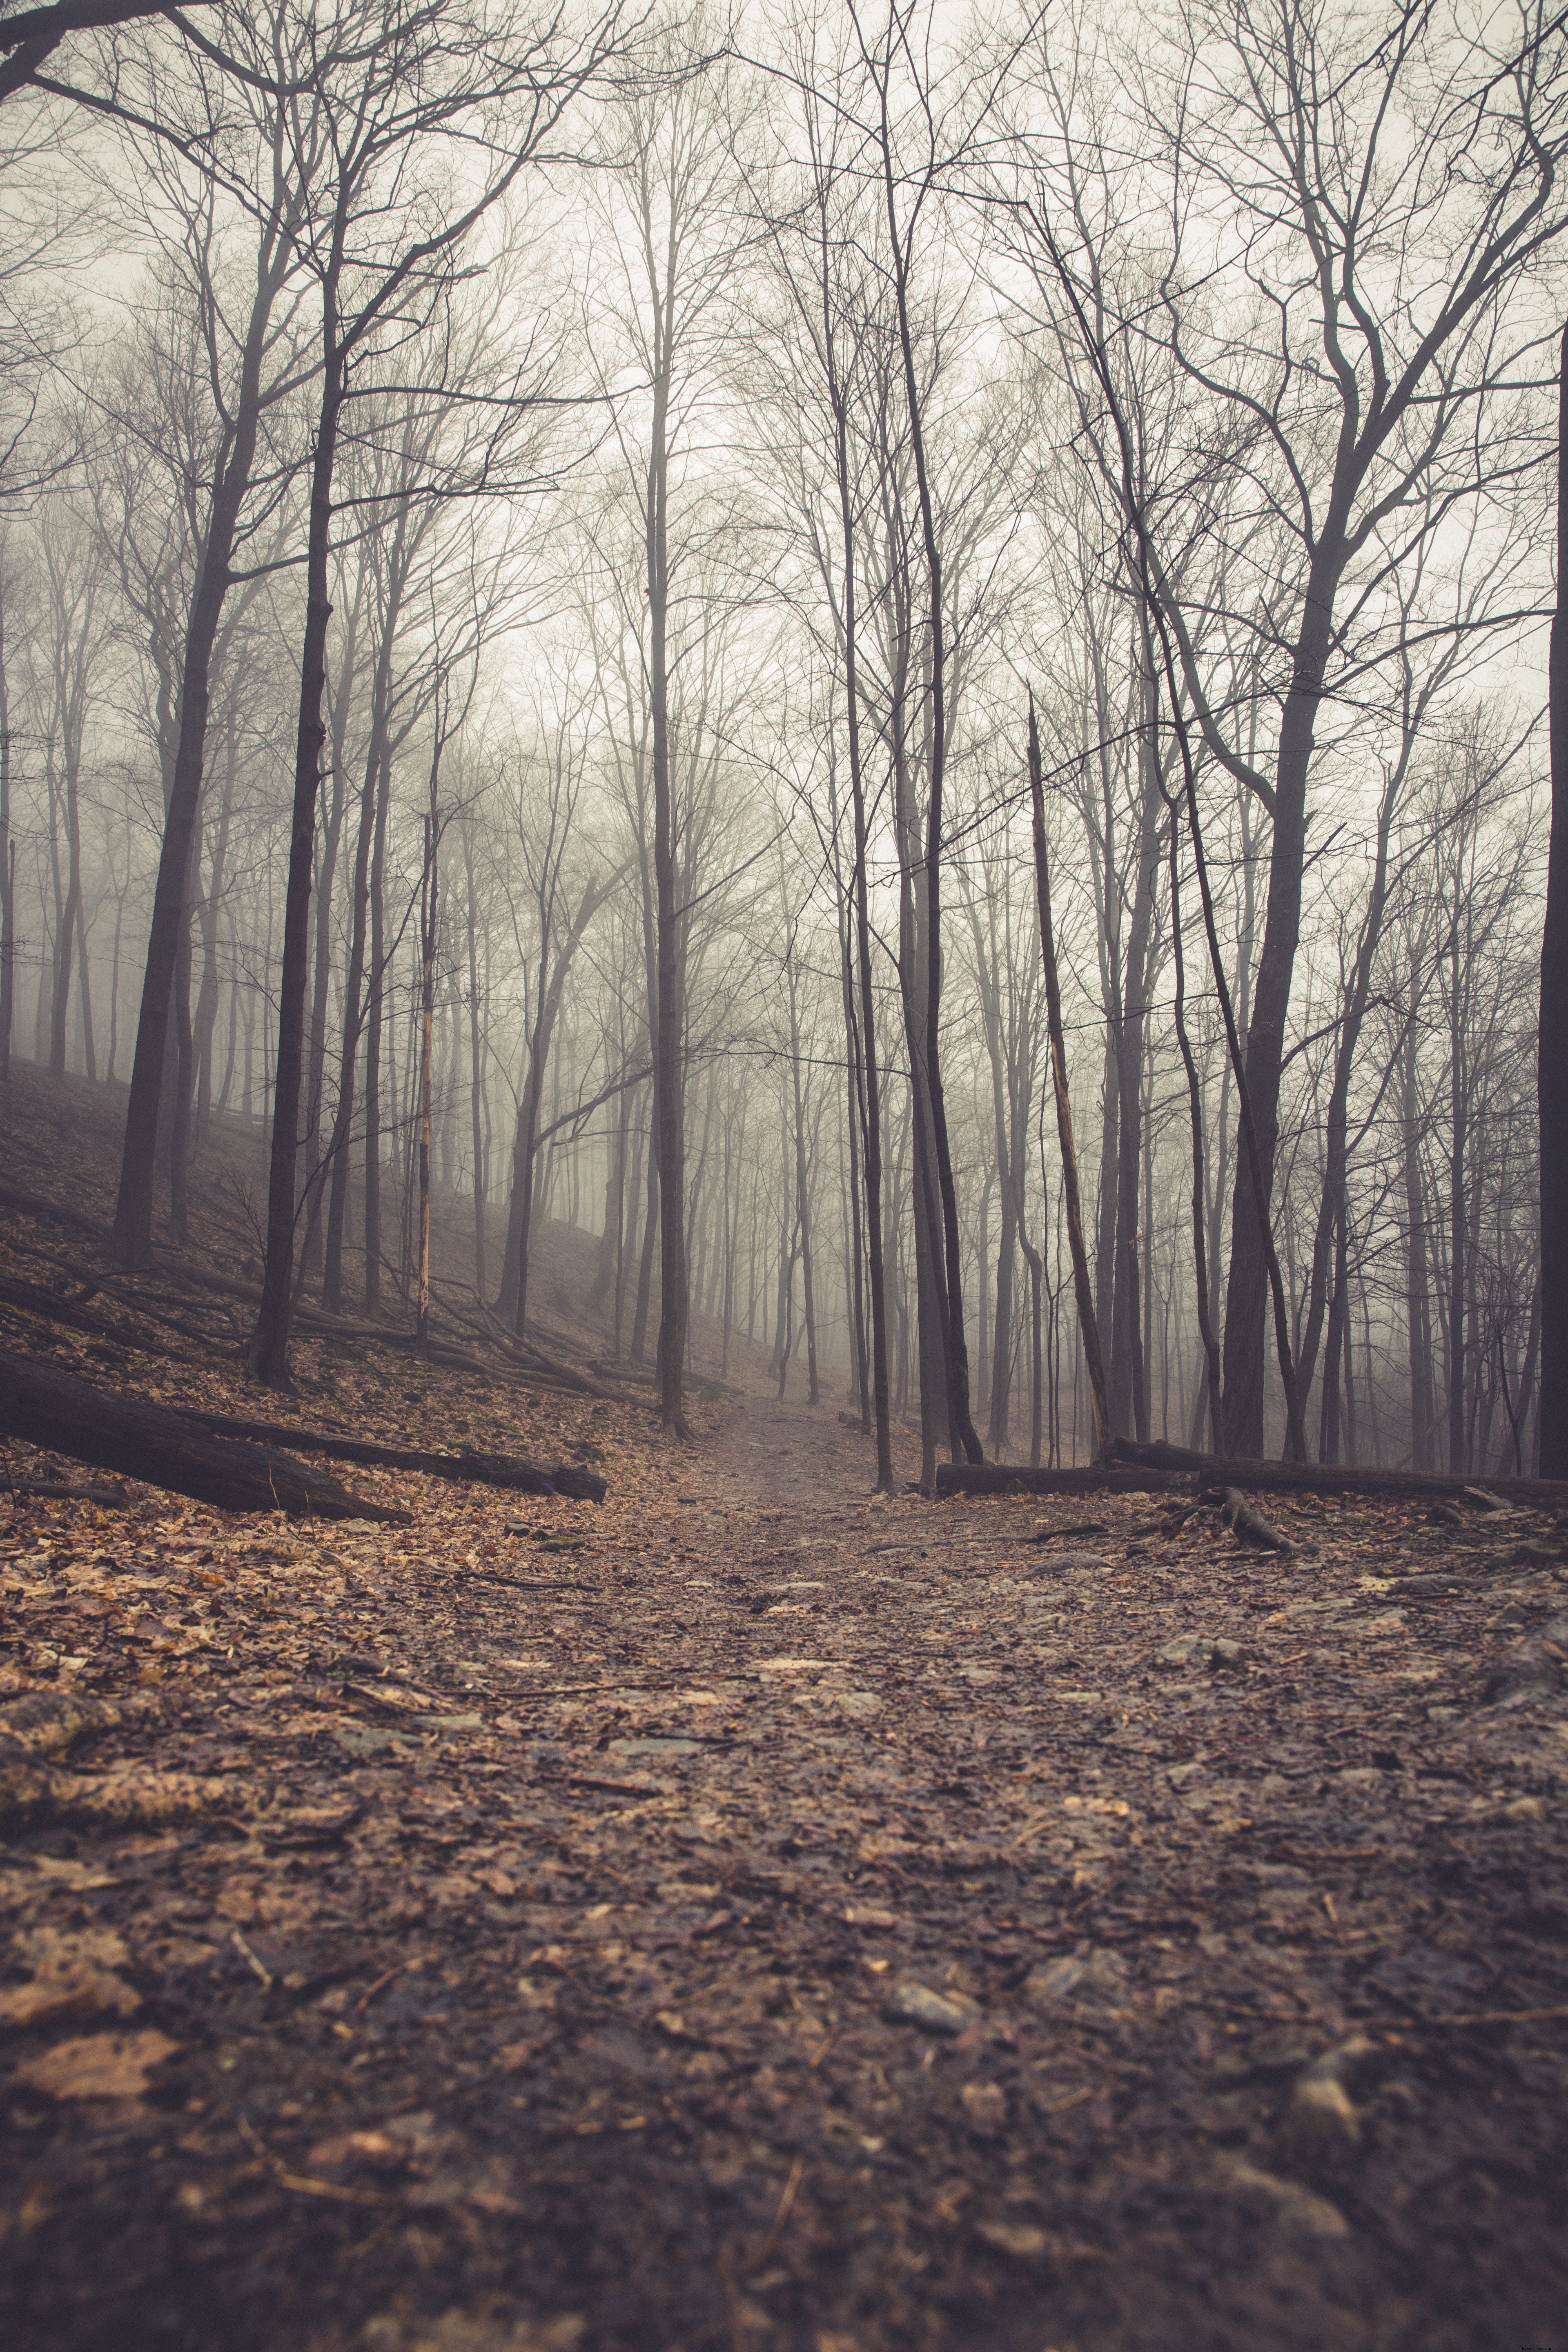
757 1915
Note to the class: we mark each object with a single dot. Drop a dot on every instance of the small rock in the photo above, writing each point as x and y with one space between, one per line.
1529 1671
1227 1653
1297 2211
1094 1976
1320 2125
1186 1650
1520 1812
933 2013
985 2103
1535 1555
1024 2239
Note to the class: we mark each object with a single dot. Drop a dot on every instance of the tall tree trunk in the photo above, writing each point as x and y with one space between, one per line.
879 1406
270 1347
429 916
476 1071
1201 1282
945 1245
230 480
1551 1066
1087 1327
7 856
668 1066
1458 1212
1248 1287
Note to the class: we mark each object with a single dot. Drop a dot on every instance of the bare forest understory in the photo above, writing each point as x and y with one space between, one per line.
746 1914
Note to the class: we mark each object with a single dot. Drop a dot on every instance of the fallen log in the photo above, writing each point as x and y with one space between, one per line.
1337 1477
1007 1478
54 1409
108 1498
33 1299
509 1470
35 1204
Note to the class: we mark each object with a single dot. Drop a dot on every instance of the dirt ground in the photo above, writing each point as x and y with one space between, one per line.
748 1914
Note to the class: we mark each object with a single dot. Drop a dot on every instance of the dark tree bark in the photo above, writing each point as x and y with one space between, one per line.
49 1408
1087 1326
1552 1062
477 1469
34 34
230 482
269 1348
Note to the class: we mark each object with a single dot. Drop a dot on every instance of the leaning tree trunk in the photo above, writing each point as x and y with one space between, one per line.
133 1208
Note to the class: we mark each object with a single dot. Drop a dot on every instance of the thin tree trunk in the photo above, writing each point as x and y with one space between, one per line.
1551 1066
1087 1326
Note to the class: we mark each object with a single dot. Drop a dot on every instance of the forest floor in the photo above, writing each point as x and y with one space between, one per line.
749 1915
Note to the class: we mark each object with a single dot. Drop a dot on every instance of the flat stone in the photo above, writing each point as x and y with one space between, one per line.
1186 1650
359 1739
933 2013
1098 1976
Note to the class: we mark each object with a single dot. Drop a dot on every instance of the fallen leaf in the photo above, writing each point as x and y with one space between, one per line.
98 2065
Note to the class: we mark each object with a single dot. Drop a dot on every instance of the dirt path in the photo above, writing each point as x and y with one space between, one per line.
787 1920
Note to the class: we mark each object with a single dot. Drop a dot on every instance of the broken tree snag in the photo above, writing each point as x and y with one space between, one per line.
1337 1477
477 1469
53 1408
1245 1523
1005 1479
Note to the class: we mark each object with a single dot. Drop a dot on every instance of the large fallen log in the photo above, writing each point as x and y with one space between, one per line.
54 1409
1008 1479
509 1470
1337 1477
35 1204
49 1307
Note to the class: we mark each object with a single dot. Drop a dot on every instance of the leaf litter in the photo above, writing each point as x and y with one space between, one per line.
816 1922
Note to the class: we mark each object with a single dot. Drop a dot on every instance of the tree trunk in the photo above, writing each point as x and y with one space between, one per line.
269 1348
1087 1327
231 478
1552 1068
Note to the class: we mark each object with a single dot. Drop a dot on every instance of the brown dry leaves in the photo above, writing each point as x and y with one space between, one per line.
804 1920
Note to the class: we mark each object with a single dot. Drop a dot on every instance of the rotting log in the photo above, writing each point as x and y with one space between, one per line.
509 1470
108 1498
72 1313
1007 1478
53 1408
23 1203
1336 1477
